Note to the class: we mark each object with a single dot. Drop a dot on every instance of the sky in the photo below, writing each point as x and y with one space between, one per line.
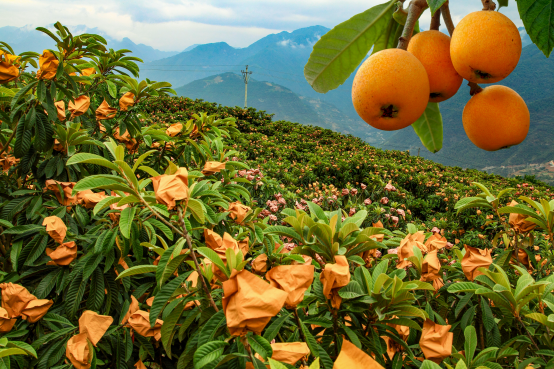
173 25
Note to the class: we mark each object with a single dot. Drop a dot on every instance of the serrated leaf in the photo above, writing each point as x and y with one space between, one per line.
137 269
208 352
539 22
339 52
126 220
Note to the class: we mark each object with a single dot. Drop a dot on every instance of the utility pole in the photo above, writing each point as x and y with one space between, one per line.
246 76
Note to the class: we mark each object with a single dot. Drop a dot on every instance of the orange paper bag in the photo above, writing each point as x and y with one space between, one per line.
259 265
90 200
518 222
48 65
60 109
8 71
79 352
174 129
289 352
80 106
170 188
293 279
133 308
249 303
66 187
436 242
15 298
140 322
238 211
55 227
36 309
334 277
351 357
6 323
406 248
430 270
474 259
64 254
140 365
105 111
94 325
436 341
126 101
212 167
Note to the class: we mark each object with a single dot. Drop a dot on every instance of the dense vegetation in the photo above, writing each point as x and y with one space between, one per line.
172 233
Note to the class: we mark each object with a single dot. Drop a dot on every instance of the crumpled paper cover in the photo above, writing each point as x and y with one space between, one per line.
334 277
94 325
474 259
436 341
48 65
90 200
518 222
58 146
435 242
289 352
67 188
60 109
140 322
430 270
243 245
7 162
405 250
88 71
6 323
212 167
220 246
130 143
402 330
55 227
379 236
293 279
249 303
133 308
259 265
174 129
392 346
105 111
78 351
15 298
140 365
522 257
79 107
170 188
8 71
36 309
64 254
238 211
351 357
126 101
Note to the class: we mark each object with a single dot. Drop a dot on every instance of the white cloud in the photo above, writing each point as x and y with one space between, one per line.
177 24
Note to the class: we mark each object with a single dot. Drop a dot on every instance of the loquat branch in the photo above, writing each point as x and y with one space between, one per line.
436 21
415 9
488 5
447 17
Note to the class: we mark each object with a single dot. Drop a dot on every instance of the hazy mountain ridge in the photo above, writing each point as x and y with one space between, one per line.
29 39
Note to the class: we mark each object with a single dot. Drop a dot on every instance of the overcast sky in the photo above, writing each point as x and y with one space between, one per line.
177 24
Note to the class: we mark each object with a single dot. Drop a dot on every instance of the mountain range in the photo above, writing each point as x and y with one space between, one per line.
29 39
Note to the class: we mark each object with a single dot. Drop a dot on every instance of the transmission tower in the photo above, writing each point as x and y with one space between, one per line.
246 76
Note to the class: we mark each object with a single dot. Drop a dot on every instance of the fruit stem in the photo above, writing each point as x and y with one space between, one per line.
415 9
475 88
445 10
436 20
488 5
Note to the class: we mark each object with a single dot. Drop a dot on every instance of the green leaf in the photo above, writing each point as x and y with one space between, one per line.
539 22
502 3
163 296
272 331
91 159
274 364
351 291
11 351
125 221
429 128
137 269
463 287
32 228
261 346
112 88
209 329
168 328
435 5
283 231
214 258
427 364
197 210
470 343
207 353
339 52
